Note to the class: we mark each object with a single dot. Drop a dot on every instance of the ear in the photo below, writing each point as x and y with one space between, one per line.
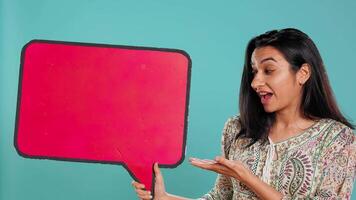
303 74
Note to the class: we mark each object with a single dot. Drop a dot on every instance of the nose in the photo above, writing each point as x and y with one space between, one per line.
257 81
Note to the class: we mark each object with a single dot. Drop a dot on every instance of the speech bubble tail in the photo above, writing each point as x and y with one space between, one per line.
143 173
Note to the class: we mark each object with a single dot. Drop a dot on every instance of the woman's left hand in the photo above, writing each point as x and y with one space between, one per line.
235 169
221 165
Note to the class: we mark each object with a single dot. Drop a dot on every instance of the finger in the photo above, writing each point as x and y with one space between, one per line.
209 161
206 164
145 197
228 163
199 164
159 177
226 172
142 192
138 185
202 165
156 169
237 167
201 160
209 166
217 167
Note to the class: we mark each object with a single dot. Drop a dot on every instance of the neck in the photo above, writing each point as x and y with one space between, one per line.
288 118
288 124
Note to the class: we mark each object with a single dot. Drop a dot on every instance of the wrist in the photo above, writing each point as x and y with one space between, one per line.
165 196
174 197
261 189
246 176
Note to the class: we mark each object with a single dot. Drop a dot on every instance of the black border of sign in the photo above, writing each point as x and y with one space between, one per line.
185 54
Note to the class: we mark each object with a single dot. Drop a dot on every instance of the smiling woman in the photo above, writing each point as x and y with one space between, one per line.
290 140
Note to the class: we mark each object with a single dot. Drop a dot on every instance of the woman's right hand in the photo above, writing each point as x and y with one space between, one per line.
160 191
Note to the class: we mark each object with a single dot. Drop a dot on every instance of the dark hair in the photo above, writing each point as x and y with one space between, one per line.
317 101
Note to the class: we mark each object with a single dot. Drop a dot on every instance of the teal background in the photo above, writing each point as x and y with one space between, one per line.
214 33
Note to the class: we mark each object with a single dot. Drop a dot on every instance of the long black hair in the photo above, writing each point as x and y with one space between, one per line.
317 101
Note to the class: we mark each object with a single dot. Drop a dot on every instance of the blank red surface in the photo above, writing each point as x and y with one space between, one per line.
103 104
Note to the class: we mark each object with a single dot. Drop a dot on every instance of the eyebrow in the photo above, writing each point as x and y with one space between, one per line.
265 60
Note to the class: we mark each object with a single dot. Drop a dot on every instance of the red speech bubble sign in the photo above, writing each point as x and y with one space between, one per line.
103 103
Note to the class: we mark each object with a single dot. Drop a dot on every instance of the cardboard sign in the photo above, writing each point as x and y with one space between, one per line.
103 103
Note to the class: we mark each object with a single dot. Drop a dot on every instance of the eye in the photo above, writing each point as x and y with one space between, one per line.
253 71
269 71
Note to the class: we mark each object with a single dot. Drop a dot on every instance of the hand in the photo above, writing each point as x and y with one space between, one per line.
160 192
237 170
221 165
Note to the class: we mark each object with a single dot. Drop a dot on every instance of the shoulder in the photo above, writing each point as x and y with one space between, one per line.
339 141
233 123
337 132
231 128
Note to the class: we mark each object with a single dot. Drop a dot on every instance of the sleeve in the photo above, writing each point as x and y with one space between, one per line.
223 186
338 173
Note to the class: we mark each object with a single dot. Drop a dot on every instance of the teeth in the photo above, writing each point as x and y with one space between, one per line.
263 93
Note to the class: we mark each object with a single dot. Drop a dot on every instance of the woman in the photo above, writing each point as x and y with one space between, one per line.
291 140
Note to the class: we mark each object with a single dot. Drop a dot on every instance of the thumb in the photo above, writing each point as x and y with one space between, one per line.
159 190
159 177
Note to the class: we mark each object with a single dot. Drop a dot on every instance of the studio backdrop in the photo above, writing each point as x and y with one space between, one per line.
169 78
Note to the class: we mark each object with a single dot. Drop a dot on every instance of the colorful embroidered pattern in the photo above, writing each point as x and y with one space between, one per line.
316 164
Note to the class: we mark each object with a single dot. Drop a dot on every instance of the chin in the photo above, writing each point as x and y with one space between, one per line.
269 110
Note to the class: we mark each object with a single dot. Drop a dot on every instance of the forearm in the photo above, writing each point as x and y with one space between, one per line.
262 189
174 197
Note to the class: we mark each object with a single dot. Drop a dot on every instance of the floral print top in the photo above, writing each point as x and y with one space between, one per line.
319 163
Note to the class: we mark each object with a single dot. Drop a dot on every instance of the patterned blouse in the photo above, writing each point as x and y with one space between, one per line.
319 163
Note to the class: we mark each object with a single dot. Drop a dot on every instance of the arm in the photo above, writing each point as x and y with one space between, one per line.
339 167
228 169
223 185
223 188
160 191
235 169
161 194
260 188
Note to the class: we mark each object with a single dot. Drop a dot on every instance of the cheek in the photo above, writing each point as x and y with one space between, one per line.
284 86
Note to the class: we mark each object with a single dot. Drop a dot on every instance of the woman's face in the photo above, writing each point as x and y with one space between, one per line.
274 80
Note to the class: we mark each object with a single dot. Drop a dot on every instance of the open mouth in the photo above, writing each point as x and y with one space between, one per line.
265 97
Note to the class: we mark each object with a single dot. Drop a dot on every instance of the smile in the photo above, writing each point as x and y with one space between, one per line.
265 97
